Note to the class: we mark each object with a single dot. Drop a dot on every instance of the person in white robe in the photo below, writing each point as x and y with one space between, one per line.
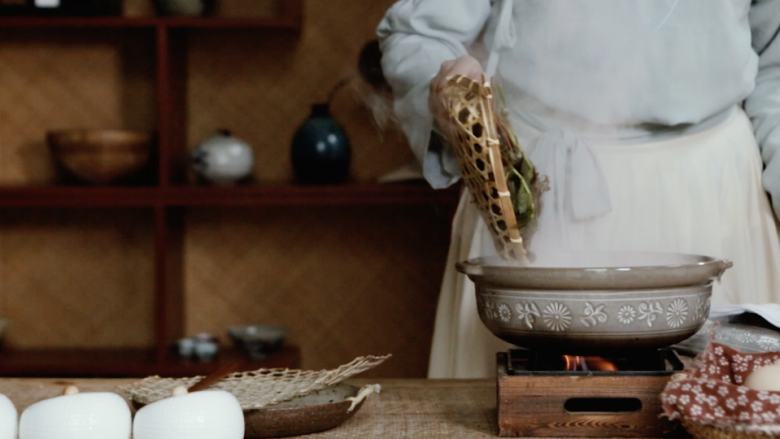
657 123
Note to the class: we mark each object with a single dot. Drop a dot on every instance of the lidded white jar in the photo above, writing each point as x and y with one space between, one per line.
83 415
9 420
208 414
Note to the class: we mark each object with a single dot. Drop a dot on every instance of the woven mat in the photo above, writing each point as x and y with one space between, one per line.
424 410
421 409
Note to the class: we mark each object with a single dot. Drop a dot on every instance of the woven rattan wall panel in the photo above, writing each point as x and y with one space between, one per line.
77 278
261 86
69 79
346 282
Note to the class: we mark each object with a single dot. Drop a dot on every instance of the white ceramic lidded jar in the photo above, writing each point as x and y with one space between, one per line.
82 415
8 418
208 414
223 159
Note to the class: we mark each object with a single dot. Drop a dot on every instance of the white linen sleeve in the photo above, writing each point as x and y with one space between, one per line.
416 37
763 105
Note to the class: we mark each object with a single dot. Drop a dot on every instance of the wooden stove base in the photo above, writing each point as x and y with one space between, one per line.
535 406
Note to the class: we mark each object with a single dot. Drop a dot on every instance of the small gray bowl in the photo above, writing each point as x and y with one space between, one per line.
257 340
595 303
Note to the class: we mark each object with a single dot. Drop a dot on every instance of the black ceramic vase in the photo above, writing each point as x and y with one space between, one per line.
321 153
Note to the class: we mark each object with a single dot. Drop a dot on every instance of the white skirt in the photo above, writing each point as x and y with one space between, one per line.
697 194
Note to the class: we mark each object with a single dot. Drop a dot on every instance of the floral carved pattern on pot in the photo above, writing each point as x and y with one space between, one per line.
504 313
557 317
627 314
490 309
650 312
676 313
527 312
745 336
702 310
769 344
593 315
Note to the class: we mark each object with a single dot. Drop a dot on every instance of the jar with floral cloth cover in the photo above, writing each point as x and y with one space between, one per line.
712 401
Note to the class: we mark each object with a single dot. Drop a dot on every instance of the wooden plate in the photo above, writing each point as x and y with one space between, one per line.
319 411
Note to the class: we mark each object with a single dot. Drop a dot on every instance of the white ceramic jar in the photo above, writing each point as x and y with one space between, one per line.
83 415
223 159
8 418
208 414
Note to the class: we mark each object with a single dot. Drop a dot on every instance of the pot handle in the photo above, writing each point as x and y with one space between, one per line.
724 264
469 268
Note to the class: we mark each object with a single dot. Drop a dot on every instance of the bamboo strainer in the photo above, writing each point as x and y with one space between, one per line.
475 140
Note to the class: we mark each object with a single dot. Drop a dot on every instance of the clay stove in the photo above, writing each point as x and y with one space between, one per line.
538 397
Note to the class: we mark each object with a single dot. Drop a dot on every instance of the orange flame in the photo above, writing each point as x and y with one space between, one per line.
574 363
601 364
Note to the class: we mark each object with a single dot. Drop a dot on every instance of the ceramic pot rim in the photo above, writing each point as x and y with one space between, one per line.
682 270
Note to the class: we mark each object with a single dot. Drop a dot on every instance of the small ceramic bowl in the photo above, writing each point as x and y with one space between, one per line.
258 341
83 415
184 8
208 414
204 347
185 347
8 418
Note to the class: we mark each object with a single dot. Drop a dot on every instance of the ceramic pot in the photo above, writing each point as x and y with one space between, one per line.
595 303
83 415
223 159
8 418
208 414
321 153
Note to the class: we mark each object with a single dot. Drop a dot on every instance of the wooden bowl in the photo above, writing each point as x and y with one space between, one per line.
100 156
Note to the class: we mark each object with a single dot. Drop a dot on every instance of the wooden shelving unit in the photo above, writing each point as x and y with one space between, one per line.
248 196
129 362
289 20
170 195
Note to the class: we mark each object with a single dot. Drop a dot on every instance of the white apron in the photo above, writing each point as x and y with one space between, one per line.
699 193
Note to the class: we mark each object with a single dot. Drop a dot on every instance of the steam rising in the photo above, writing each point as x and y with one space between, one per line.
380 104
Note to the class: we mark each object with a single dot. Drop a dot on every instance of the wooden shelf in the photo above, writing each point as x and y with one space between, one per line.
77 22
55 196
133 363
292 195
260 195
281 23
